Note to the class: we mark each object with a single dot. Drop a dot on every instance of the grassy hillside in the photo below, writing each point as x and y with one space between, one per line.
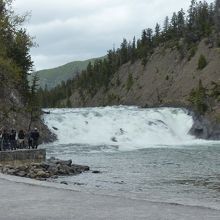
53 77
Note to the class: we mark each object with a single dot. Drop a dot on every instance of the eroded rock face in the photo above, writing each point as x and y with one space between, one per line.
204 128
51 168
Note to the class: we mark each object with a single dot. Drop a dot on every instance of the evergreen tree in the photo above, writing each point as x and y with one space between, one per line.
133 51
166 25
124 52
15 44
181 23
217 15
174 24
198 98
157 35
192 15
33 101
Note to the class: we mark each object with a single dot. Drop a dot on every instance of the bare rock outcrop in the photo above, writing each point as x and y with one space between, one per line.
51 168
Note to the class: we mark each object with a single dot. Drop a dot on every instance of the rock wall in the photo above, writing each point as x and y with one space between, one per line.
21 157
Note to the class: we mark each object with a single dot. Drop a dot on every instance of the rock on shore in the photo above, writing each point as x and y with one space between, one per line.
51 168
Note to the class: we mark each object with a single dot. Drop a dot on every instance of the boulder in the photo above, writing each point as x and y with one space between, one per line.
64 162
22 168
96 171
45 165
64 182
32 175
64 170
81 168
42 174
21 173
52 169
11 172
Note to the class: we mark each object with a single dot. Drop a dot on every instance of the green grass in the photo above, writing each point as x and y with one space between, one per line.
53 77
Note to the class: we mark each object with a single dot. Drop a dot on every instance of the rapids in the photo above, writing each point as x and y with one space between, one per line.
128 128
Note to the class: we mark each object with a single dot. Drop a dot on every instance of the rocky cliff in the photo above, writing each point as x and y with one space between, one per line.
13 113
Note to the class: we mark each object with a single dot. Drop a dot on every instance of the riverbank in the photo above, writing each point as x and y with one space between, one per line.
40 170
23 199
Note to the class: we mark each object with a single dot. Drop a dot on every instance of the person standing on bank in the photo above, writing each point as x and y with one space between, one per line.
1 140
12 140
21 137
5 140
35 137
30 140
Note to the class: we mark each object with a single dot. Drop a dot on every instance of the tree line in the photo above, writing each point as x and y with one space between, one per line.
183 30
15 59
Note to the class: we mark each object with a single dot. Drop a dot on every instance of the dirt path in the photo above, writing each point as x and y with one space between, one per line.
24 199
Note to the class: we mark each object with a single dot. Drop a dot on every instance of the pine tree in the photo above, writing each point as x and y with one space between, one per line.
192 15
217 15
33 102
166 25
124 52
181 23
157 35
133 51
174 24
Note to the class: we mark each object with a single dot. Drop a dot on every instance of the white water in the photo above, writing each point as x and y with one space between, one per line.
141 153
128 128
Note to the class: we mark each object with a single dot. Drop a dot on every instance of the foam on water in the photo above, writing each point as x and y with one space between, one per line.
126 127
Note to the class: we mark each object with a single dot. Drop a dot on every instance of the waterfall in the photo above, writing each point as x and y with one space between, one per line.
126 127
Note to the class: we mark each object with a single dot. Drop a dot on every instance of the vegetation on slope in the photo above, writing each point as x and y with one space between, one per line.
49 78
15 64
184 31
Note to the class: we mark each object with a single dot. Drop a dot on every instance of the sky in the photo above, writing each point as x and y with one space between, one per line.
69 30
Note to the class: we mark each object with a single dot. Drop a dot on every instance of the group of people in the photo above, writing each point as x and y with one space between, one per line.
12 140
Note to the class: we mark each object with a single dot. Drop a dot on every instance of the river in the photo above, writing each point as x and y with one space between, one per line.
146 154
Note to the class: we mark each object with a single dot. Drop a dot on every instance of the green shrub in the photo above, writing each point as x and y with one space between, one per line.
130 82
192 52
198 97
202 63
218 42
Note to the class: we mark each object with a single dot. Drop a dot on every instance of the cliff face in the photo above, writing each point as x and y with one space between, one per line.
166 80
12 109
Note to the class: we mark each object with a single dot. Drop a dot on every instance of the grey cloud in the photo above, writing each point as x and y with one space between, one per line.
71 29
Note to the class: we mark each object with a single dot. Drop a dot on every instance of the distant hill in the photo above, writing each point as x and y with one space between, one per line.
53 77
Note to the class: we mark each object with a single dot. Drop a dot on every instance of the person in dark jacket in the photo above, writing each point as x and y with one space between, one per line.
12 140
21 137
5 140
1 140
30 140
35 137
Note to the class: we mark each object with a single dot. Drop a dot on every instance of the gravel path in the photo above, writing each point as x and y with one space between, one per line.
24 199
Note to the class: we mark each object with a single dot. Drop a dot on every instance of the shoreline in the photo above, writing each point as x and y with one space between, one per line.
56 201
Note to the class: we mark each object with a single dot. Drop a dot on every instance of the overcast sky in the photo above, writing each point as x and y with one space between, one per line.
68 30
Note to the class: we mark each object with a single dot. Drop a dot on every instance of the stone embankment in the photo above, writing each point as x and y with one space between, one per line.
23 156
51 168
